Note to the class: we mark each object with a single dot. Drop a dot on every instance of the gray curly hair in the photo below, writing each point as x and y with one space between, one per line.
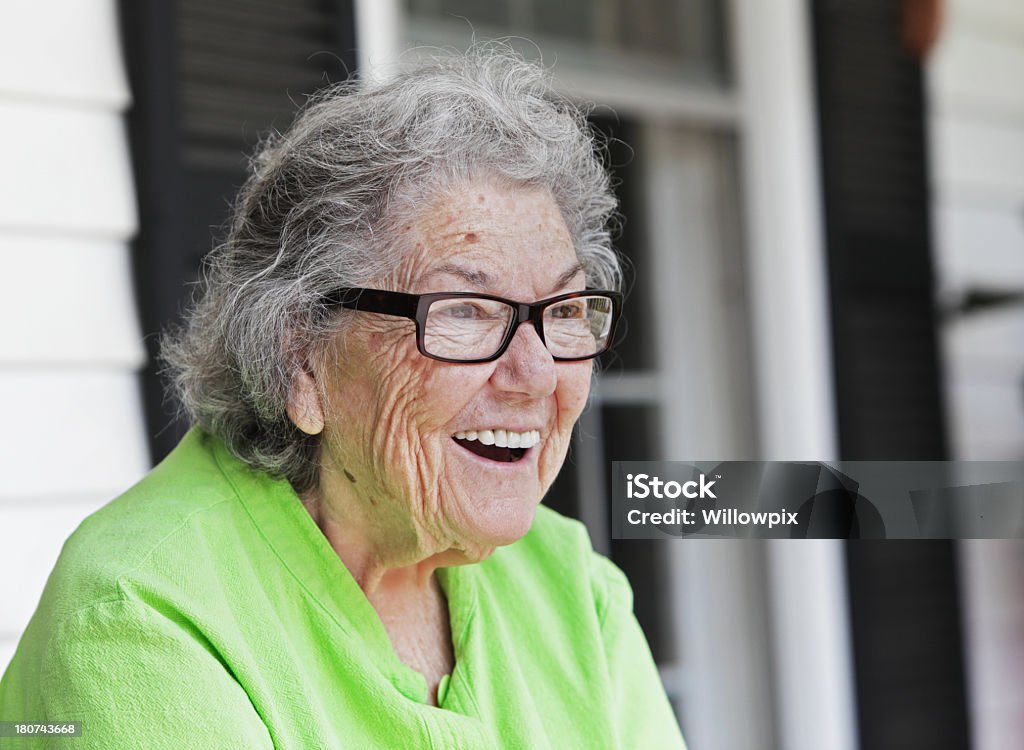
321 210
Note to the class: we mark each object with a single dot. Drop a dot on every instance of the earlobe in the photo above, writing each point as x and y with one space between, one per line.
304 406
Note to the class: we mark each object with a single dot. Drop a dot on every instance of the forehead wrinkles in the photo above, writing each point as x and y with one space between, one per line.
484 227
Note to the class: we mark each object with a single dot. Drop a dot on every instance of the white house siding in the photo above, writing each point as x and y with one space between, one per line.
71 431
977 142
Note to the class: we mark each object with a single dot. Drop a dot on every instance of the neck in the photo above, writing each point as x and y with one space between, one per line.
383 559
393 561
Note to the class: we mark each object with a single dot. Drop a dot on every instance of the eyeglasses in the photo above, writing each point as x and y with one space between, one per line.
470 328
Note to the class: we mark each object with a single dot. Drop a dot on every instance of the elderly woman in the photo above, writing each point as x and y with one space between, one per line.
346 551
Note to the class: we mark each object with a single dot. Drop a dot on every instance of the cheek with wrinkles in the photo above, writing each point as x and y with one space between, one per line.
403 438
552 459
572 392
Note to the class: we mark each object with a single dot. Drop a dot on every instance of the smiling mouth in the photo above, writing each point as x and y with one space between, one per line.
497 445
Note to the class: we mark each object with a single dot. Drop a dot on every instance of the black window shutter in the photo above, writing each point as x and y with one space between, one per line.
208 78
904 600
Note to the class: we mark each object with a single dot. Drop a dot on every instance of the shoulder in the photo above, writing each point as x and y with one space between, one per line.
183 499
147 551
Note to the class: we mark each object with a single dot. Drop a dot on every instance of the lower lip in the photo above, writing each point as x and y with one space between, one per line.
524 462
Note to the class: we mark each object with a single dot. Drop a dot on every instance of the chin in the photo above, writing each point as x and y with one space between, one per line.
500 525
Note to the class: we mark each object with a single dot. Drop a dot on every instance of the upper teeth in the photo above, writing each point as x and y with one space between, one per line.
502 438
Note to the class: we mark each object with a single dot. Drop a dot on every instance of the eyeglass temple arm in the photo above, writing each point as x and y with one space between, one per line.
375 300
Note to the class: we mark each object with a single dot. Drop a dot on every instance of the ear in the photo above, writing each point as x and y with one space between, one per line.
305 408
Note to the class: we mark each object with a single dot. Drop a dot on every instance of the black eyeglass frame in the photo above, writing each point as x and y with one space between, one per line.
415 307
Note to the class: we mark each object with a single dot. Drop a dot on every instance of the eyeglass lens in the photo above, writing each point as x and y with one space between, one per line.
468 328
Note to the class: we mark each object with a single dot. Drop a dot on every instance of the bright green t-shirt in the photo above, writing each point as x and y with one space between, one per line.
205 609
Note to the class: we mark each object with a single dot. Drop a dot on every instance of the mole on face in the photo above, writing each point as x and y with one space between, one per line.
349 476
471 237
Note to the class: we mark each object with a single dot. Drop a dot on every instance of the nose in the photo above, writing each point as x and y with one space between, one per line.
526 367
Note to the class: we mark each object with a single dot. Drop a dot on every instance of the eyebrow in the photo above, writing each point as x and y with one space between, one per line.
568 276
470 276
482 280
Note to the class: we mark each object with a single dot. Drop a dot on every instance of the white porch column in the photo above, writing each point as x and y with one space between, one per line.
792 349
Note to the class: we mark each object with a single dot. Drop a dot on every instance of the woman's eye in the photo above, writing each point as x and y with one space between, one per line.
465 311
568 310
